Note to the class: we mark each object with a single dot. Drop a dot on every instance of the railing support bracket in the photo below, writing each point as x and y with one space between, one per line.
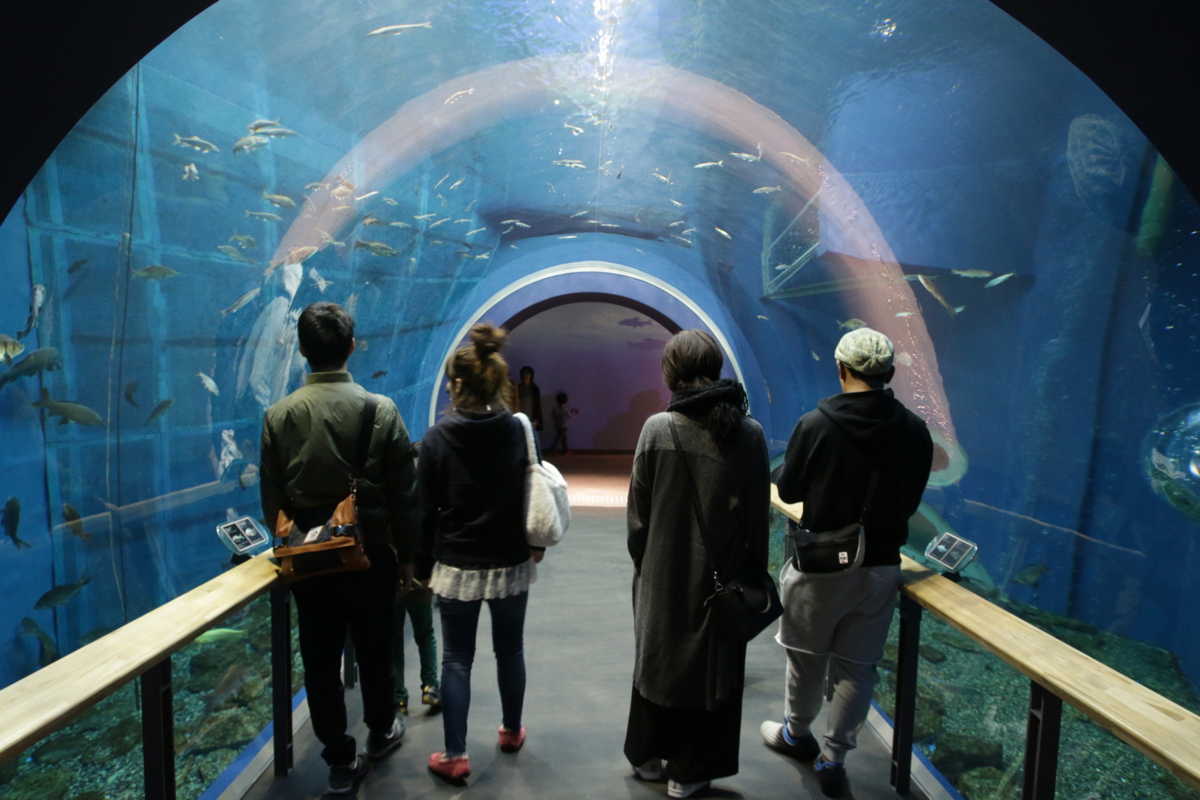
281 678
906 693
158 732
1041 743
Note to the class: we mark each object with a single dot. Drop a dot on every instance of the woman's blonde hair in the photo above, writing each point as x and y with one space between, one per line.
479 365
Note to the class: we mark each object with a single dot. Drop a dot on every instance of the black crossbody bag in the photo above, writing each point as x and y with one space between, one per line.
841 550
744 604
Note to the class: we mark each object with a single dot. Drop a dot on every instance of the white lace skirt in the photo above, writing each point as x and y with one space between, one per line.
482 584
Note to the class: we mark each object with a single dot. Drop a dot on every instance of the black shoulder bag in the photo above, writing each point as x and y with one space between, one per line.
839 550
743 605
337 545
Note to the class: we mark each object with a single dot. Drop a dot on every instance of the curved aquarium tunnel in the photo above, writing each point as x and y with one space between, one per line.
776 173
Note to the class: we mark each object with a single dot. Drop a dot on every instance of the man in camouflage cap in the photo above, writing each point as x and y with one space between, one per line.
861 449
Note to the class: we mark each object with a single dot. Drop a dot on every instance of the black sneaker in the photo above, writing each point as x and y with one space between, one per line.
379 745
775 736
832 777
341 779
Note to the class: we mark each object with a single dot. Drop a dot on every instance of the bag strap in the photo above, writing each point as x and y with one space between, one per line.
530 447
358 472
696 506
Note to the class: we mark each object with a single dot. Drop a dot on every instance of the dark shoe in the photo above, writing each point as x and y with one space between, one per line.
832 777
776 737
432 697
402 707
341 779
379 745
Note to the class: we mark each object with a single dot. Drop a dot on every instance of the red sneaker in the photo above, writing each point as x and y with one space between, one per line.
511 741
451 768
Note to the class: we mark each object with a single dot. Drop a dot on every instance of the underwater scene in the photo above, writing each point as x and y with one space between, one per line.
776 172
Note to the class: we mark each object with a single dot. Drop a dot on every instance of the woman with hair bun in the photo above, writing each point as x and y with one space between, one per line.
473 548
686 708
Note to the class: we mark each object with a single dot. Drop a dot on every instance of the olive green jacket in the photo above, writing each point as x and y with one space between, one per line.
308 444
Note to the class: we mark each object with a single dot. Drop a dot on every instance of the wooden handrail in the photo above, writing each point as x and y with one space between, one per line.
1164 731
45 701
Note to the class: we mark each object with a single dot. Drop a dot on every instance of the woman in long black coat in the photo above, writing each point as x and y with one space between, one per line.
686 708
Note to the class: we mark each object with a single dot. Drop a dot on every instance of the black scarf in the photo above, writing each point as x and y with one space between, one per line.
718 406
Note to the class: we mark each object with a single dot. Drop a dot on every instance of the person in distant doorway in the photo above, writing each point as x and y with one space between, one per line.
861 448
309 441
686 706
561 417
529 398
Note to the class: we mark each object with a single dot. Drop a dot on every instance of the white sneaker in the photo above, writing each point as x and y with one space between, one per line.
650 771
677 789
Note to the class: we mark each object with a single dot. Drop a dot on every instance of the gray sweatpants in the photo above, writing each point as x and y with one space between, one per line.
834 628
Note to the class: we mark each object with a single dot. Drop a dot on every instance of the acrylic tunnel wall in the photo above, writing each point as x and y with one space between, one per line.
777 172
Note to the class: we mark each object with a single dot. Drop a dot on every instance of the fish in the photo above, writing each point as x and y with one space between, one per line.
154 272
685 240
710 164
249 476
686 232
371 219
209 383
620 172
1031 575
319 281
37 301
723 233
972 273
364 345
794 158
748 157
424 216
159 410
196 143
609 225
375 248
515 222
433 225
233 679
215 635
279 200
997 281
1166 465
276 132
190 173
573 129
74 523
568 237
342 190
441 181
234 253
852 324
767 189
61 594
458 96
379 374
932 288
486 256
460 221
11 519
67 411
243 241
76 266
259 124
572 164
47 649
401 225
390 201
578 214
904 359
904 315
249 143
396 30
677 223
813 353
265 215
10 347
477 230
327 239
664 178
44 358
468 208
760 316
455 185
959 309
676 202
131 388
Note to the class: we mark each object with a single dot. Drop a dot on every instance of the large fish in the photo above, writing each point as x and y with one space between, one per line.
48 650
74 523
9 347
40 359
67 411
11 520
160 409
36 303
130 389
61 594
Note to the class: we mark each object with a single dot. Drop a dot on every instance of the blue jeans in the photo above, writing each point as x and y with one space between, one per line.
460 619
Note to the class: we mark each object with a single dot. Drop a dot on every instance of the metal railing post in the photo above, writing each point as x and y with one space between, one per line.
158 732
1041 743
281 678
906 693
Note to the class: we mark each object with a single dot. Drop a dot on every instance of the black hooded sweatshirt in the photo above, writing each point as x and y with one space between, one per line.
829 460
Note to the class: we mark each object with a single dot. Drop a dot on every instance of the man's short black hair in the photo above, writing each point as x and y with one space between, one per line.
561 397
524 370
326 333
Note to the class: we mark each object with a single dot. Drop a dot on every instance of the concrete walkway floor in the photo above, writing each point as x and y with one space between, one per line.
579 655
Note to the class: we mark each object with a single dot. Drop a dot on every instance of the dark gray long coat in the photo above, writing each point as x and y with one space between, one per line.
679 663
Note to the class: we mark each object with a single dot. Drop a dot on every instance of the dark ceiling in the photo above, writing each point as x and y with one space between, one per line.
59 58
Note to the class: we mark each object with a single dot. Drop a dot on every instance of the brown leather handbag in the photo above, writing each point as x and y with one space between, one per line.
337 545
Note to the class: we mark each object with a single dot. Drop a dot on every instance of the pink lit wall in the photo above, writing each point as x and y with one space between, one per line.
607 359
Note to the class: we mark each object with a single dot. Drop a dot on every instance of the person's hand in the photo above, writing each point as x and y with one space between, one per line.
404 579
283 525
537 555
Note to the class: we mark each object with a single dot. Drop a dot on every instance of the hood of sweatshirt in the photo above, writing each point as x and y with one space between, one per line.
467 429
874 419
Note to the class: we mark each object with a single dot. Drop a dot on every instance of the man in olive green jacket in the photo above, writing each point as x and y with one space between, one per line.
309 444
